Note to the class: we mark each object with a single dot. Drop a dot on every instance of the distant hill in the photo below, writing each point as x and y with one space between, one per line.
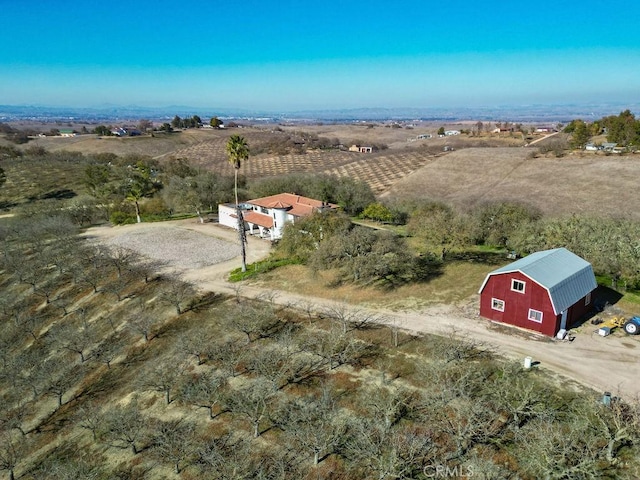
515 113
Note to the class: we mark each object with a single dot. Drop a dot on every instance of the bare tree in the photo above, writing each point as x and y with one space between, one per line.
13 418
195 344
12 450
383 453
163 378
173 443
253 401
208 390
124 427
120 258
175 292
145 324
254 322
227 456
75 339
386 404
87 416
333 346
281 366
61 380
29 323
107 351
227 353
314 425
119 286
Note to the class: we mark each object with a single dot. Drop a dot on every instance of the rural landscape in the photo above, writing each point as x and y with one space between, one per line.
134 345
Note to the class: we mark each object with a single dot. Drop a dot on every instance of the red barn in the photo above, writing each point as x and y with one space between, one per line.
545 291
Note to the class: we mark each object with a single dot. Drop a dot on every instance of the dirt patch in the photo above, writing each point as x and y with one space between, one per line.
182 248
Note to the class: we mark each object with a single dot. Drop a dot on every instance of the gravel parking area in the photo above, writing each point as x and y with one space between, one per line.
182 249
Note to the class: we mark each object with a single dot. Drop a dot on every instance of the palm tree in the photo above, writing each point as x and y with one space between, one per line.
238 150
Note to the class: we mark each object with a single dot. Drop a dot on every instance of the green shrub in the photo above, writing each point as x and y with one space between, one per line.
121 218
264 266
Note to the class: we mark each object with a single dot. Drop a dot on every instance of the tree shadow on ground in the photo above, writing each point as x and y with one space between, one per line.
488 258
61 194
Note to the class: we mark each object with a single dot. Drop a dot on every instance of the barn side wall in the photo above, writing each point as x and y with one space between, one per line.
517 305
579 310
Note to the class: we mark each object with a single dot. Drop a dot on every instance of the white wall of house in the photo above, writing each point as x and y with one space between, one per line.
227 216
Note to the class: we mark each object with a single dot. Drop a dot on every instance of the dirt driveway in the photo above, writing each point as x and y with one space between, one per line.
605 364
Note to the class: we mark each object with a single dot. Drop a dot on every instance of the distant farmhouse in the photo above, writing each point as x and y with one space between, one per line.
125 132
67 132
268 216
607 147
546 291
449 133
360 149
545 129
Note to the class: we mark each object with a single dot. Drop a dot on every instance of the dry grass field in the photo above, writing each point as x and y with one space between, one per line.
480 169
577 183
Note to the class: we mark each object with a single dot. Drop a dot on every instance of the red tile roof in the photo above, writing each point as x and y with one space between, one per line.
296 205
258 219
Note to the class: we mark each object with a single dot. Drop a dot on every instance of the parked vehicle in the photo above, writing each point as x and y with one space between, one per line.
632 326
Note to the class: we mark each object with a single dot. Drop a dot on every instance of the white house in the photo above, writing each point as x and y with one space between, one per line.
452 132
360 149
267 216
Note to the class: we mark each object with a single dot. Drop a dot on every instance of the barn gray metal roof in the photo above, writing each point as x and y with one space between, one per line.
566 276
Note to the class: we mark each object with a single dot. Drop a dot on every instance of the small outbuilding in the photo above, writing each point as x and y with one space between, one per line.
546 291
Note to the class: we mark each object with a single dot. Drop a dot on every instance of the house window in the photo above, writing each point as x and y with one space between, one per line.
587 299
497 304
535 315
517 286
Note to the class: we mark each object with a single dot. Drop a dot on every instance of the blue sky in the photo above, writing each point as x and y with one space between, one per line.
296 55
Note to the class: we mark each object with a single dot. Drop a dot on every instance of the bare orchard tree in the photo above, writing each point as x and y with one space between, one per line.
314 425
281 366
87 416
12 451
74 338
144 323
207 390
348 317
14 414
124 427
227 456
196 344
61 380
333 346
163 378
388 405
176 292
382 453
107 351
253 401
173 442
227 353
120 286
254 321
